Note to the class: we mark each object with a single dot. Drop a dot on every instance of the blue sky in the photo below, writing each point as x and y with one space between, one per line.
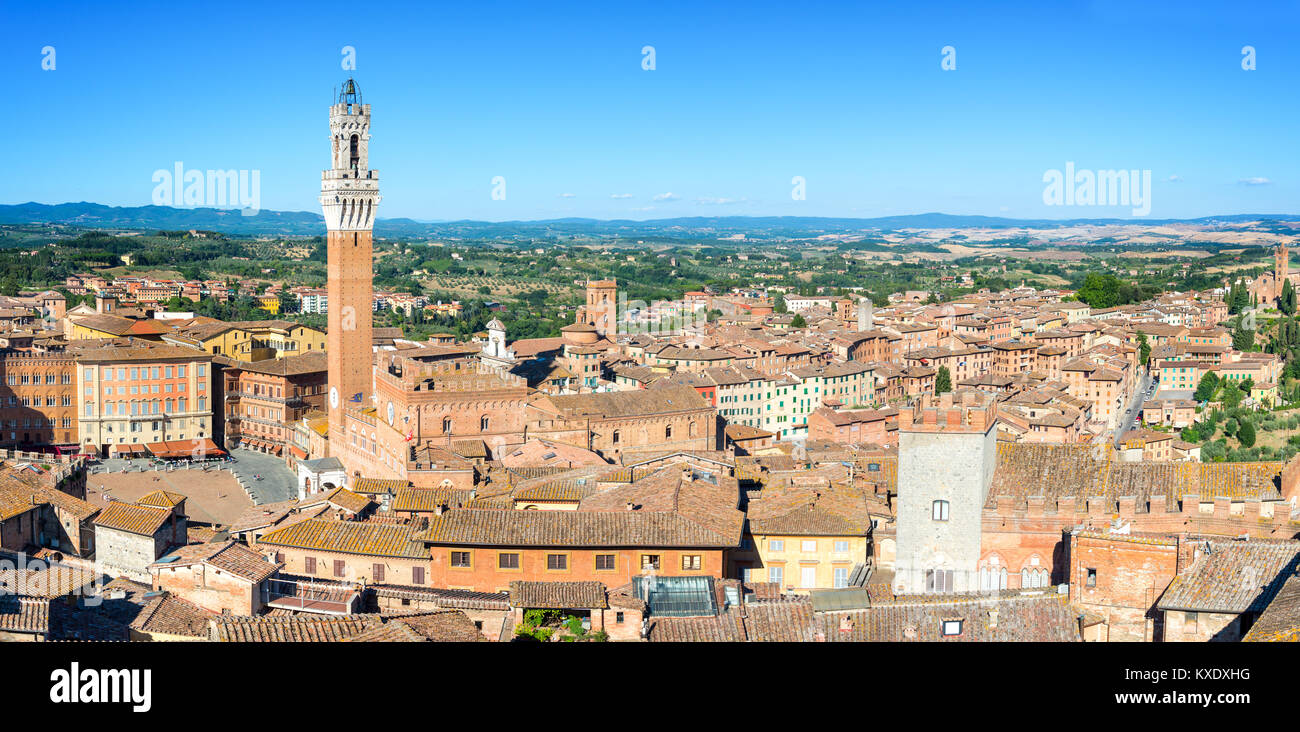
745 96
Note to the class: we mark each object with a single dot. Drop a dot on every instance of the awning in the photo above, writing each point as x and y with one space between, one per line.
129 450
196 449
298 452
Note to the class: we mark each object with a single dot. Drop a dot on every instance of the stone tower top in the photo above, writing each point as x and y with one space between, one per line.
349 189
968 411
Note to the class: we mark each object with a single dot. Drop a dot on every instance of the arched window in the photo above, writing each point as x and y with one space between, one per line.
668 432
691 429
446 425
483 423
356 153
1024 577
616 437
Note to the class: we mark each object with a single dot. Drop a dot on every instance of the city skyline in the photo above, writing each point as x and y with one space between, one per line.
560 113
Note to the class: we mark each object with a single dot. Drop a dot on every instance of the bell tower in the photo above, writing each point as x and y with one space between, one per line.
349 195
1281 263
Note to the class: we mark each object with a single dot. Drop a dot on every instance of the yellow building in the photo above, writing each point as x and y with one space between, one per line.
102 325
251 340
806 533
1264 393
269 303
280 338
216 337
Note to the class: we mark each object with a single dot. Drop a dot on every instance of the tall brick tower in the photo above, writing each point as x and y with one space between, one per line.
601 311
349 195
947 451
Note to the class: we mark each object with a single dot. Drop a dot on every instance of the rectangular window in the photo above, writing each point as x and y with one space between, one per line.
776 545
951 627
557 562
807 576
649 561
939 511
808 546
841 547
507 560
309 565
378 573
841 577
1092 578
605 562
460 559
691 561
340 568
776 575
417 575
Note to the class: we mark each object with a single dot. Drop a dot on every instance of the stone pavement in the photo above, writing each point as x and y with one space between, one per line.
214 496
278 483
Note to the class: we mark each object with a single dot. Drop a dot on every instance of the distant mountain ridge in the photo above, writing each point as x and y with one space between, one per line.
303 223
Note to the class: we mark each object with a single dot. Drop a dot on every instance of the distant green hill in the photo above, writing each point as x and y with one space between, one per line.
302 223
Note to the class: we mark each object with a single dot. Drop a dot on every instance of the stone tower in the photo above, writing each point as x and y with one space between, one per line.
349 195
1281 263
947 451
601 310
865 319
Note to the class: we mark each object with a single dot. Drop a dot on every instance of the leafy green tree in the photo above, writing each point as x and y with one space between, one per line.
1100 290
943 381
1243 339
1231 426
798 321
1232 398
1205 390
1144 348
1246 434
778 305
1287 302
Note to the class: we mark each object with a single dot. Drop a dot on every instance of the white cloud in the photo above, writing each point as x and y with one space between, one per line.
669 196
1175 178
568 195
1256 181
719 201
620 195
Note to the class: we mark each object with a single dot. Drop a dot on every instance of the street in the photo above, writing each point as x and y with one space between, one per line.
1142 393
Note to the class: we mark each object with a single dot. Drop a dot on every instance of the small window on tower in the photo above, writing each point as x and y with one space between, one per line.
356 155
